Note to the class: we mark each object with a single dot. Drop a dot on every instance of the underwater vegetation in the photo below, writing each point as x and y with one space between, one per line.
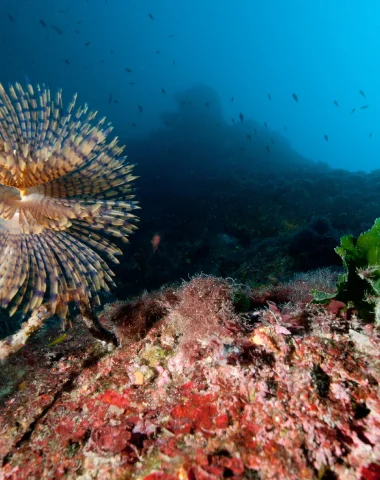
64 190
200 389
359 286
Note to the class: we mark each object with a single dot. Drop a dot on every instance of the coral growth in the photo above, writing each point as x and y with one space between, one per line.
200 391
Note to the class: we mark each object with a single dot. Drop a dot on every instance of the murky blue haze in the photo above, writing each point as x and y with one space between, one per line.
322 51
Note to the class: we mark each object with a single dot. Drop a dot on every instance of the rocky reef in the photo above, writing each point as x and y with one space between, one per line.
211 380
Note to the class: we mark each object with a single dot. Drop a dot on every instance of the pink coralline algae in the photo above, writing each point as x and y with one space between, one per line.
198 390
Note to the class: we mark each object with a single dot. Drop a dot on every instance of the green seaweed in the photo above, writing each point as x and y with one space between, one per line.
359 286
241 302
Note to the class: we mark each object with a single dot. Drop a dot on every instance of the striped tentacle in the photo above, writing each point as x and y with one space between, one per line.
64 192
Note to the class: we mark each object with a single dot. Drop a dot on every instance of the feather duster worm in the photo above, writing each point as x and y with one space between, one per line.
64 191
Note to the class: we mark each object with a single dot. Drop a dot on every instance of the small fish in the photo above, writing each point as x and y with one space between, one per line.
285 128
269 97
362 93
255 131
56 29
241 116
110 98
67 61
163 91
173 63
77 31
295 97
364 107
267 148
133 125
80 21
87 44
116 101
336 103
150 16
265 124
171 35
140 108
326 137
271 139
42 23
352 111
157 51
155 242
184 102
111 52
128 70
232 99
22 385
233 120
101 61
132 83
59 339
370 135
249 137
207 104
10 17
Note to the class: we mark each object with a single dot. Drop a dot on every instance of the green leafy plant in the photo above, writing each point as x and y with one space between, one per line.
359 286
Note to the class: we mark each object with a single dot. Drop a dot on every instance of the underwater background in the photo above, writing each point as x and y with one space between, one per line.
239 335
253 125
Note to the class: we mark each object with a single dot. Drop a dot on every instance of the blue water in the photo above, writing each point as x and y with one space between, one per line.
320 50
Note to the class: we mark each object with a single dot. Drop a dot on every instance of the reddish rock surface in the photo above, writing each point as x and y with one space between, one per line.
199 391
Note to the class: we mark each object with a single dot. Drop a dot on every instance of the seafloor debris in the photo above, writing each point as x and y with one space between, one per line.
197 390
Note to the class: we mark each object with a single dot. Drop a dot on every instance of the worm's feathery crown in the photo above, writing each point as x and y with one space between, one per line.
62 186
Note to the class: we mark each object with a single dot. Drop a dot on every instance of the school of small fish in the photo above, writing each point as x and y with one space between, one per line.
129 70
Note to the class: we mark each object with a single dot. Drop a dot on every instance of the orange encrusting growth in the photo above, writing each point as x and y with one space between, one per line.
62 187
